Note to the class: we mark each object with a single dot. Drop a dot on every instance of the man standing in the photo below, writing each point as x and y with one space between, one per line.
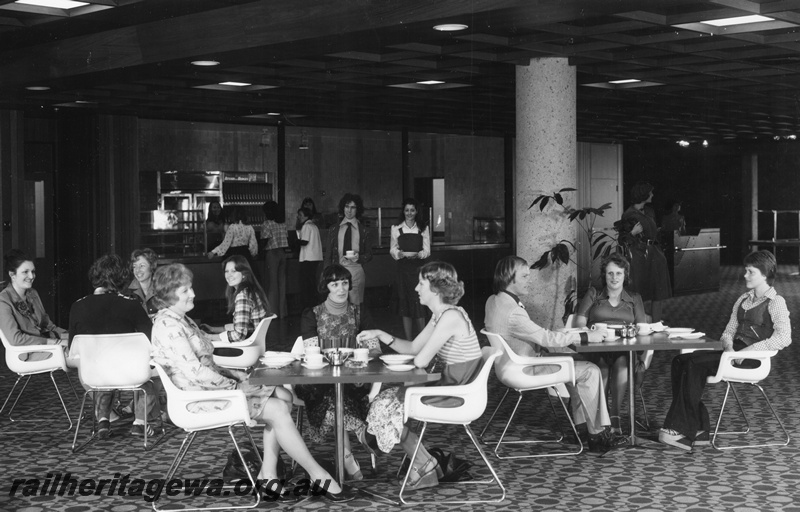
349 244
310 257
506 316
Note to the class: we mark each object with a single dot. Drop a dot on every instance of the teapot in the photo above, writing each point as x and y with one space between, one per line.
337 358
628 331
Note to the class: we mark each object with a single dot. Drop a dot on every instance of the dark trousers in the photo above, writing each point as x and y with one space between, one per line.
688 414
308 277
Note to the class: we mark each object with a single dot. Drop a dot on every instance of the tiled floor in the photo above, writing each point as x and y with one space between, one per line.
651 478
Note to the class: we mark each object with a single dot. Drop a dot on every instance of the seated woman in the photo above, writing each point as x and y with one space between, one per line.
336 318
143 264
107 311
613 304
759 321
451 339
246 302
22 316
185 353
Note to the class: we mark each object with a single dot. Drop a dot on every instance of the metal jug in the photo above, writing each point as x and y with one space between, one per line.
629 331
337 358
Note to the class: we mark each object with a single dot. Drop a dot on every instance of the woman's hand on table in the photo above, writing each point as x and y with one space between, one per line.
382 336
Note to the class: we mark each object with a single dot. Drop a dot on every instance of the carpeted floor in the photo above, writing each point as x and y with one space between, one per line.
648 478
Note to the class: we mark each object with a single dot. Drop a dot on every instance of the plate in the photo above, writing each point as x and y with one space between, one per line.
688 335
611 338
278 359
679 330
396 358
400 367
615 326
304 365
277 364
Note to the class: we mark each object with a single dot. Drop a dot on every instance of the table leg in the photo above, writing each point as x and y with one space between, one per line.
631 399
340 433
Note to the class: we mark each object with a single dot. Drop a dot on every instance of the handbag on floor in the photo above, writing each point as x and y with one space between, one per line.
234 471
454 469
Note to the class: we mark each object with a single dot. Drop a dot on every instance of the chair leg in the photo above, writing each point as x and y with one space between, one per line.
747 430
559 439
19 395
299 424
80 419
184 449
486 427
485 459
646 424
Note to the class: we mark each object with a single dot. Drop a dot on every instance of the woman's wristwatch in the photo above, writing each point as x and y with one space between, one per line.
390 342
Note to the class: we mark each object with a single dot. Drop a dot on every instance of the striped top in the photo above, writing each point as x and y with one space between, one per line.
459 350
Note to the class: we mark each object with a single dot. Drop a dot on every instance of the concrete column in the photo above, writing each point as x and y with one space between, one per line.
546 161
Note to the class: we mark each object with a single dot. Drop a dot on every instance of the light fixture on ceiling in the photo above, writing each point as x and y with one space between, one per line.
683 143
705 143
205 63
431 82
624 81
273 113
236 84
450 27
738 20
38 88
54 4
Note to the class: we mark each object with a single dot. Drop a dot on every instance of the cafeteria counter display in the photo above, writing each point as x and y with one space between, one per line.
695 262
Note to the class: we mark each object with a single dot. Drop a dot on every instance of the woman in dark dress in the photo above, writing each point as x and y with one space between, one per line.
336 318
410 247
649 274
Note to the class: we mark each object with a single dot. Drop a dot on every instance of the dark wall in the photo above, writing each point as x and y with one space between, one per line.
708 181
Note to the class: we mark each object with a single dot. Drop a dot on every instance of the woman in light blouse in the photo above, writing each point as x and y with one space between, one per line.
185 353
240 238
23 319
410 247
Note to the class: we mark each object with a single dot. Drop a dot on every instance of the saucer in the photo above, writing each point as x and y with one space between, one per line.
611 338
304 365
400 367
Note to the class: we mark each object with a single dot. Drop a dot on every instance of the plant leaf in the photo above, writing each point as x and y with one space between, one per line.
562 253
558 198
544 202
536 201
567 189
542 262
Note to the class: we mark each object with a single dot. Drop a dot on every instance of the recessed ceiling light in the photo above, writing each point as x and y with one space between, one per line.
431 82
38 88
235 84
683 143
626 81
450 27
273 113
205 63
56 4
739 20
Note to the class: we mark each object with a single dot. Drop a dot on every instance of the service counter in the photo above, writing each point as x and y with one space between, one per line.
695 262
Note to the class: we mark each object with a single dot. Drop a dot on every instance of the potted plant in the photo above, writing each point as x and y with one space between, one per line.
599 243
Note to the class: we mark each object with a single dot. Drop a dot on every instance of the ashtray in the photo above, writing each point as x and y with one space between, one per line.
356 364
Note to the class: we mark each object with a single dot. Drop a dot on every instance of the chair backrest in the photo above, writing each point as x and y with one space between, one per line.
570 323
509 367
27 367
299 347
113 360
260 333
727 371
478 389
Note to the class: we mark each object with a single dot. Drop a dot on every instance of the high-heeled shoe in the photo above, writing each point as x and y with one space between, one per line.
424 476
352 468
370 443
616 429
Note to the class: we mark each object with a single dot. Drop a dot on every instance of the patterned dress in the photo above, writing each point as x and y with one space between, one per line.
459 361
185 353
320 400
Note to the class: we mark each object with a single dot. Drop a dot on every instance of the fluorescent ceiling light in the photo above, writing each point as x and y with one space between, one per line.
739 20
55 4
38 88
205 63
626 81
235 84
273 113
450 27
431 82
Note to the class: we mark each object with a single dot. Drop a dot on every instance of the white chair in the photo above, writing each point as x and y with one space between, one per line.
252 348
515 372
474 398
111 362
731 374
25 369
184 413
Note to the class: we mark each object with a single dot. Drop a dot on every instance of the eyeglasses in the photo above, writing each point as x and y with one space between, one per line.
140 266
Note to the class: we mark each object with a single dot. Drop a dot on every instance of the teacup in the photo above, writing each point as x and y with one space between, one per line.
361 355
314 360
312 350
349 254
599 326
643 328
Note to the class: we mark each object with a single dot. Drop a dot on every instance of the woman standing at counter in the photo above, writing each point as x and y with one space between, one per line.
273 230
22 316
240 238
649 274
215 224
410 246
349 236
